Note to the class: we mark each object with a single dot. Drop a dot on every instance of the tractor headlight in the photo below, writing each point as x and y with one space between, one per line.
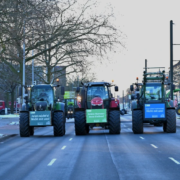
79 98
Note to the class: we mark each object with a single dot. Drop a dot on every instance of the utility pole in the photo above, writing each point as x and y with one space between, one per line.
33 65
146 65
23 63
171 58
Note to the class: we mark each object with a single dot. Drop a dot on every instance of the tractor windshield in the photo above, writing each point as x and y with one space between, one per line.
42 93
153 92
97 97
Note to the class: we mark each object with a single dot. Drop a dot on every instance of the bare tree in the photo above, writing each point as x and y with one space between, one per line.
8 82
58 34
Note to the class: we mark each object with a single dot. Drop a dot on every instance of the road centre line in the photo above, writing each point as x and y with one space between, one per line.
70 139
174 160
141 137
63 147
154 146
52 161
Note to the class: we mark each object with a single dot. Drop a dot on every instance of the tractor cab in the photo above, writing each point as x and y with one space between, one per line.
153 92
42 97
98 97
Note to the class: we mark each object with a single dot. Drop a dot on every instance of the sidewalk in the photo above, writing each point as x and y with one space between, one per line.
9 116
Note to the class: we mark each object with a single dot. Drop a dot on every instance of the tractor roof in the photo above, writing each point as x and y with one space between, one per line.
98 84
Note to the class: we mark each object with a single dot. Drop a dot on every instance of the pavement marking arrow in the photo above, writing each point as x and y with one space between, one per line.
52 161
174 160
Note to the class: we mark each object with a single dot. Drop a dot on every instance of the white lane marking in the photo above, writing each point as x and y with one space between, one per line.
63 147
124 125
1 135
70 139
154 146
129 129
174 160
2 142
141 137
52 161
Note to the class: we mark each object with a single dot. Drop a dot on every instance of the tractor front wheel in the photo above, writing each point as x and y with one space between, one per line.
114 122
80 123
171 121
24 127
58 121
137 122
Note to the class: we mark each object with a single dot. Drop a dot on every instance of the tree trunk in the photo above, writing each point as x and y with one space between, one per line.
12 101
6 99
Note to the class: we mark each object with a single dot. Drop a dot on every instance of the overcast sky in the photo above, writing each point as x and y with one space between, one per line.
146 25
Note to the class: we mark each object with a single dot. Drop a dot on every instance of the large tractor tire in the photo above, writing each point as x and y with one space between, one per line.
114 122
171 121
137 122
58 122
80 123
24 127
178 110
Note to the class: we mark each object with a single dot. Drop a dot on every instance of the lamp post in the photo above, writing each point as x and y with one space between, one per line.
23 62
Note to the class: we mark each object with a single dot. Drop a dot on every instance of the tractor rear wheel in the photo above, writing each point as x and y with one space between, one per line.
24 124
137 122
58 122
171 121
114 122
80 123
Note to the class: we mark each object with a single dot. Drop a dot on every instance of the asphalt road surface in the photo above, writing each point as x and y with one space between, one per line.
97 156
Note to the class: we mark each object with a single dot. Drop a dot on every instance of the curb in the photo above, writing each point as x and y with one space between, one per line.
5 136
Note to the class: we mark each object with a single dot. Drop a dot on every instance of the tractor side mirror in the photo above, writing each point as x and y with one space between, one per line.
77 89
131 87
116 88
62 90
20 91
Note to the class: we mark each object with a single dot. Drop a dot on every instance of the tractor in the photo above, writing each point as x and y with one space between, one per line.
150 105
69 108
42 109
96 107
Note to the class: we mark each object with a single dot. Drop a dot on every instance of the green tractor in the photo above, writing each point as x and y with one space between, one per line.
69 108
42 109
96 107
150 105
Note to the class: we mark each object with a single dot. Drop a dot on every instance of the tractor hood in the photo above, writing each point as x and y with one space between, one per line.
97 101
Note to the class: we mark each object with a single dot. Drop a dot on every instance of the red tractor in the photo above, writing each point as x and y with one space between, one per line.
97 107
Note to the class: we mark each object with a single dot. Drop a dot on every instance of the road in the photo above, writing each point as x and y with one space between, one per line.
99 155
